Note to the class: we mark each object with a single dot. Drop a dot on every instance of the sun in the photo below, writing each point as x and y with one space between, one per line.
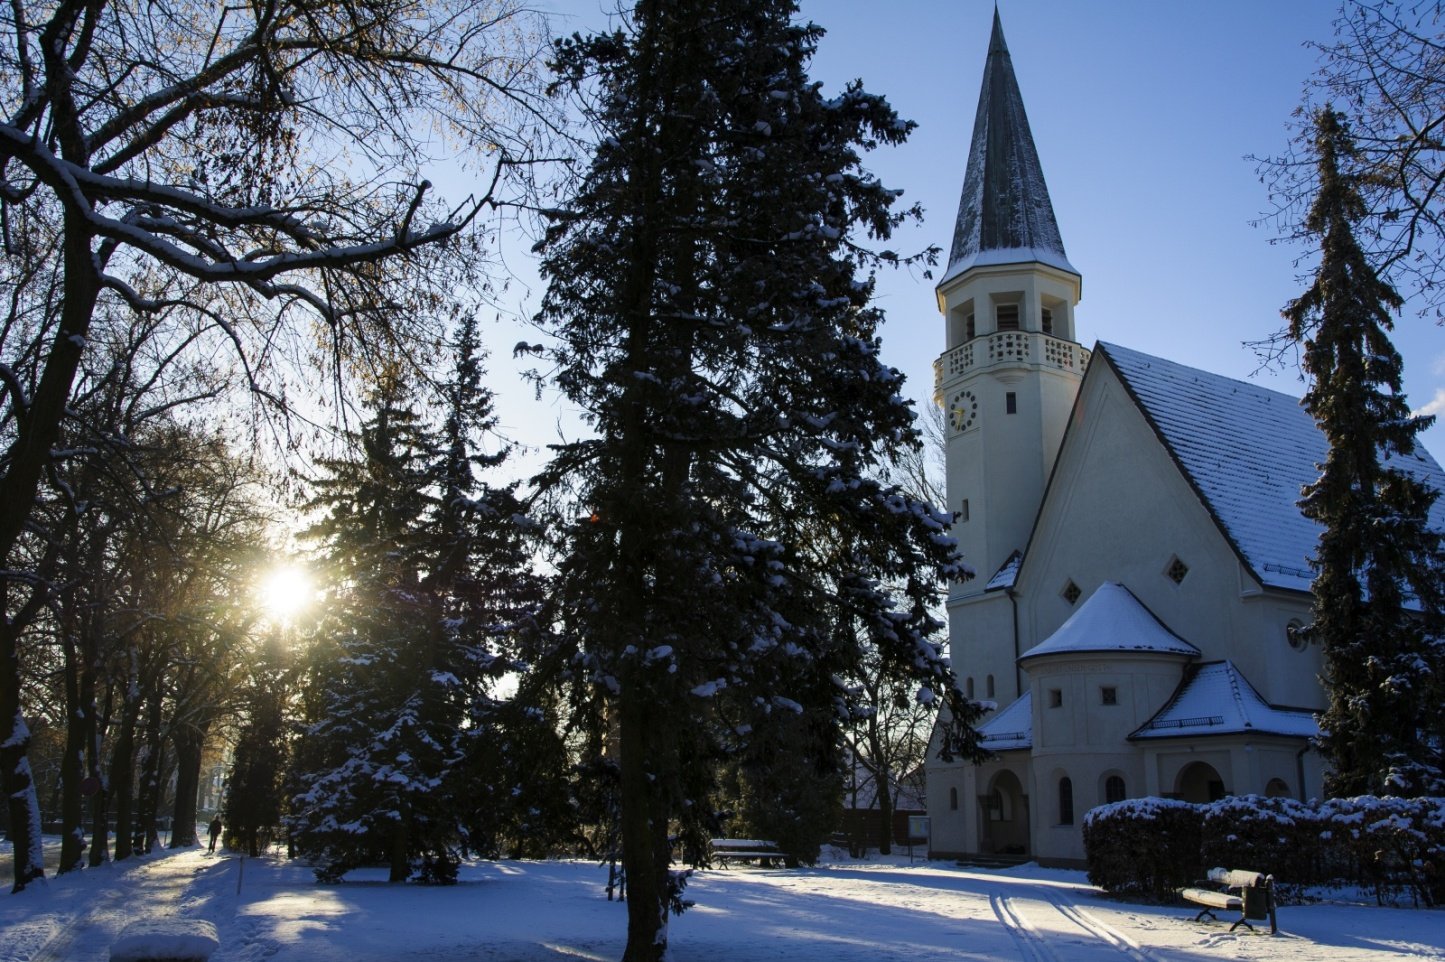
285 592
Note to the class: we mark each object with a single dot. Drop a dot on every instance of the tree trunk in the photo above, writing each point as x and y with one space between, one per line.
100 801
885 814
72 763
645 853
22 803
400 864
189 741
122 777
149 798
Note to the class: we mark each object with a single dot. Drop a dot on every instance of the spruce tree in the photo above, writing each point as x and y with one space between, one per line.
255 789
1377 590
709 291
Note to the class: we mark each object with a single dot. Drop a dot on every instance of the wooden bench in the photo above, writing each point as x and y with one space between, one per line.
726 850
1251 894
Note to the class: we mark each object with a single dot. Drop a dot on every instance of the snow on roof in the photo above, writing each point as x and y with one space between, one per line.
1112 619
1247 451
1006 575
1012 728
1005 213
1008 255
1216 699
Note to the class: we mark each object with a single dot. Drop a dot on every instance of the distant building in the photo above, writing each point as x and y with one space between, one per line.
1142 561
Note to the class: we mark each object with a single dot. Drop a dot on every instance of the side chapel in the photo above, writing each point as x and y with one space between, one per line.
1142 563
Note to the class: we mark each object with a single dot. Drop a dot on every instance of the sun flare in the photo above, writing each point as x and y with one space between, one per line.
285 592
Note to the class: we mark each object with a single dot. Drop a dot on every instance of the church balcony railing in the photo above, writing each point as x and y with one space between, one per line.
1011 349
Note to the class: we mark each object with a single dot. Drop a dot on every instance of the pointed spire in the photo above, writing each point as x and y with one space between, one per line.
1005 216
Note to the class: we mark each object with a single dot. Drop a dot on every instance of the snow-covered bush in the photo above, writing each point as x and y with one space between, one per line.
1394 847
1279 836
1146 846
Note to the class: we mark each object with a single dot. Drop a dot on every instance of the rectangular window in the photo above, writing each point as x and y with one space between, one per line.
1109 695
968 330
1011 403
963 510
1056 698
1048 318
1008 317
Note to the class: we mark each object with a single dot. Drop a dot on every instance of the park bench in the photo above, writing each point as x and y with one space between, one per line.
726 850
1251 894
168 939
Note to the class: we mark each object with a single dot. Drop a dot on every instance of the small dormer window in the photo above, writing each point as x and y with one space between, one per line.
1008 317
1108 695
1048 321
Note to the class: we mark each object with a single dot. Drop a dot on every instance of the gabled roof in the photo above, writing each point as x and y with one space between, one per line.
1247 451
1010 729
1007 573
1216 699
1005 215
1111 620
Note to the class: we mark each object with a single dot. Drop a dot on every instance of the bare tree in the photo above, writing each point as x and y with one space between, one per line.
1385 70
252 175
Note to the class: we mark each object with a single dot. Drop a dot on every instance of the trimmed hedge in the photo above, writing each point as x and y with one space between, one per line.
1394 847
1143 846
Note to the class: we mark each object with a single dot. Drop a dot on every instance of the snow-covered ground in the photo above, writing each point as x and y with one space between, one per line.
878 911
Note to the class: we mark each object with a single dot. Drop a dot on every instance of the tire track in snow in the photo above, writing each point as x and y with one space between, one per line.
1101 930
1030 944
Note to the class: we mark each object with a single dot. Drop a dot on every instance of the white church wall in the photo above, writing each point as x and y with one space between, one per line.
981 647
1120 510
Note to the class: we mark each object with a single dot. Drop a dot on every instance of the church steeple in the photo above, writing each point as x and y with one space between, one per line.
1004 216
1011 365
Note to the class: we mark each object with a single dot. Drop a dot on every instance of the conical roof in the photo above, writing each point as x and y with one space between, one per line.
1005 215
1112 620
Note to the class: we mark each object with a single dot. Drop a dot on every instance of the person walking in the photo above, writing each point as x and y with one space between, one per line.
215 832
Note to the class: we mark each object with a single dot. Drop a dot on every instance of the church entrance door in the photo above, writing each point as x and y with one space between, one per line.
1004 813
1198 782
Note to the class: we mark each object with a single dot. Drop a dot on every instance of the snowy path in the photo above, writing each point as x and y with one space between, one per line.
557 912
88 910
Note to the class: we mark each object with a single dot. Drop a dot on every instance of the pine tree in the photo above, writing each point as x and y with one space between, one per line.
255 788
710 299
1377 590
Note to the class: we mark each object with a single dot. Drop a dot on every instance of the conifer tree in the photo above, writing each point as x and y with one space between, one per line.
1377 590
709 292
430 568
255 789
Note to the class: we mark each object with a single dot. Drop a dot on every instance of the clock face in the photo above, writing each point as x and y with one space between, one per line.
962 411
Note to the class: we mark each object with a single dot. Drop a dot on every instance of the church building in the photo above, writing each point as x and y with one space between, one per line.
1142 563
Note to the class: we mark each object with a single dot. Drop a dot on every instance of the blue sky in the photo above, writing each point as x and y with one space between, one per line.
1143 112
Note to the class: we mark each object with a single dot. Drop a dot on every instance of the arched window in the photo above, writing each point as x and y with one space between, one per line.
988 686
1066 801
1277 788
953 799
1114 789
968 686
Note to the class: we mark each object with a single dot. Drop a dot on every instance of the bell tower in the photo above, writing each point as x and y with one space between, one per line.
1010 369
